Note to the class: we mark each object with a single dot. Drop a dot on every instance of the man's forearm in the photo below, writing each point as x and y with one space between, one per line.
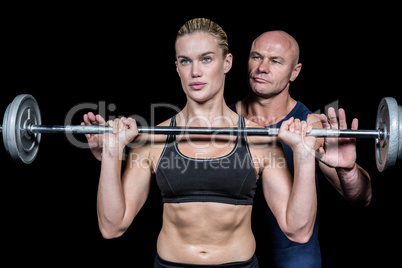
355 184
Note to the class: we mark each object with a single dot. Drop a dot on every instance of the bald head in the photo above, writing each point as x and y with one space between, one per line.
281 41
273 63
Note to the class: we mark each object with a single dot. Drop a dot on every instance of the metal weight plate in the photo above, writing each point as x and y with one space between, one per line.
387 148
400 134
18 142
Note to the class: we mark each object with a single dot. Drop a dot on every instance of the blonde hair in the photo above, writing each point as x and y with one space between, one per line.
205 26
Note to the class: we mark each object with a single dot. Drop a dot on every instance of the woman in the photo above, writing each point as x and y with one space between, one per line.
207 182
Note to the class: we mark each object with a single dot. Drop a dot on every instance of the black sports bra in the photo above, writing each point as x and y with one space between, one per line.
230 179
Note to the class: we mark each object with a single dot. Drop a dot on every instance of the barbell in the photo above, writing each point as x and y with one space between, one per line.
22 128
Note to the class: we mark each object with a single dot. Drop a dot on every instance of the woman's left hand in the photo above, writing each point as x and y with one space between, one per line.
293 133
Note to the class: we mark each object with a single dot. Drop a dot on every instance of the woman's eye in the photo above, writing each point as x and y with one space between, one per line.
184 62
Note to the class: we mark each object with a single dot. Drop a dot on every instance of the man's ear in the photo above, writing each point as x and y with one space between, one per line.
295 72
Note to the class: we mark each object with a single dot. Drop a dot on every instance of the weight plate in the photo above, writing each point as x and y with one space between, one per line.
388 121
4 128
400 134
18 142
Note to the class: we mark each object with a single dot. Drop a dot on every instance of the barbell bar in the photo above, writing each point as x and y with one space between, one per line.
22 131
203 131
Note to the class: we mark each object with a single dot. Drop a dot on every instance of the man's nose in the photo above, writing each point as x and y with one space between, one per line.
263 67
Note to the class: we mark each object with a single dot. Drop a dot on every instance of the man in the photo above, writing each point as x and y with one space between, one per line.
273 64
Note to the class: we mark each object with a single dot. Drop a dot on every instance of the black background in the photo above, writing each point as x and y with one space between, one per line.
66 55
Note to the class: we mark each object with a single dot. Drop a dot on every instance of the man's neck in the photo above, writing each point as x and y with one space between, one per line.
266 111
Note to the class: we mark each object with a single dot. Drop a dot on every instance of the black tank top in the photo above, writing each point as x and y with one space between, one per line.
229 179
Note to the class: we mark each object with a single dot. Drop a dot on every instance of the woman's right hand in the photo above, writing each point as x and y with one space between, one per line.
124 131
95 141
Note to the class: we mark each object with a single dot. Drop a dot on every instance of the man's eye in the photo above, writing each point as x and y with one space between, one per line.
276 62
207 59
256 58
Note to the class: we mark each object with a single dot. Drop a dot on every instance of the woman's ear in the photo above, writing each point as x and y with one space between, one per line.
177 69
228 63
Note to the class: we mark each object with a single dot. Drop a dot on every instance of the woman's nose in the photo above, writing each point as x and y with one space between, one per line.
196 70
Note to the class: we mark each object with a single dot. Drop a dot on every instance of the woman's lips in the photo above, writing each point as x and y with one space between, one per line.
197 85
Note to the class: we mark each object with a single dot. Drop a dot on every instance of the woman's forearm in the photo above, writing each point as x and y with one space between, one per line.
110 201
302 206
